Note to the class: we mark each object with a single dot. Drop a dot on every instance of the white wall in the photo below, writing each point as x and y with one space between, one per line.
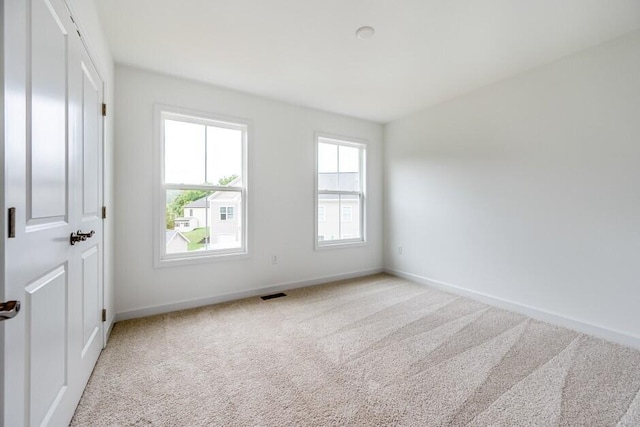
528 190
281 191
86 17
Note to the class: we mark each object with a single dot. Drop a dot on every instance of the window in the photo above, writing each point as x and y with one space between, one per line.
226 213
321 211
202 171
340 191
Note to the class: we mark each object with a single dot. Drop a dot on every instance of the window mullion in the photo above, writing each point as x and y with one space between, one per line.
338 165
361 213
339 217
206 146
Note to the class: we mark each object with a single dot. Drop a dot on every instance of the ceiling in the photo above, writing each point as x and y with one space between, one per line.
305 51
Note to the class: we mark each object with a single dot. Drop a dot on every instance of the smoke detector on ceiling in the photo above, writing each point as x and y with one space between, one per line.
365 32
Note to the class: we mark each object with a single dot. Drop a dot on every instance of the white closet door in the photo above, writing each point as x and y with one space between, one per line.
53 140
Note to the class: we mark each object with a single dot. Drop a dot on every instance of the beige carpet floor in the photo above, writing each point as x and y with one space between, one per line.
372 351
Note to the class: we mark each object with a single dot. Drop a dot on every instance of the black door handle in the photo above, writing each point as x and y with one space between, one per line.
79 236
9 309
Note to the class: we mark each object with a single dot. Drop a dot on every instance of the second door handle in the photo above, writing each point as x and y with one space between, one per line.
79 236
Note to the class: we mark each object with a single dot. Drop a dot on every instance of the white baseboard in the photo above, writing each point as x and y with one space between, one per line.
536 313
200 302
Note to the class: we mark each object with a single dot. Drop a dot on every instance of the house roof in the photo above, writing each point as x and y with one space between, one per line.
224 196
200 203
227 195
347 181
172 234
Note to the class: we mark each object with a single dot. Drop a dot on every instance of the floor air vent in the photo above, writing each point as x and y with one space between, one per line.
272 296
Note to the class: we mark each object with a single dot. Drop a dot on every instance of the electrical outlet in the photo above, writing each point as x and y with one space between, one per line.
399 250
274 259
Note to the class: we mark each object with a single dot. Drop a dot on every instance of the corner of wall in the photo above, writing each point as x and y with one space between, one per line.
533 312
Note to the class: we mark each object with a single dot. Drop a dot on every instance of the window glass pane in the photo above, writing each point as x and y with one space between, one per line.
349 169
187 220
183 152
226 226
329 229
327 157
212 226
327 166
348 181
224 156
350 218
349 159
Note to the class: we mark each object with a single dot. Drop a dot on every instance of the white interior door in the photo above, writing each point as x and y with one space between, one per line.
53 140
88 206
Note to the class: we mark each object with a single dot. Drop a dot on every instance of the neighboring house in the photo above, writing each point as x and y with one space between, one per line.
338 219
186 223
195 210
176 241
225 218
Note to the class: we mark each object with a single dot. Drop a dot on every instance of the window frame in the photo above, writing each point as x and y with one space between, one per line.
361 145
161 257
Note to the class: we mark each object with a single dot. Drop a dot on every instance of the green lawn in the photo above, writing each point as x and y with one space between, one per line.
195 237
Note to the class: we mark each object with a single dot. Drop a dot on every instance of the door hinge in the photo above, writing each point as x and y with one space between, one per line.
104 110
12 223
104 212
104 314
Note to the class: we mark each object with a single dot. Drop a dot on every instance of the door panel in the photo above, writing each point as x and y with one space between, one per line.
91 306
48 143
47 327
91 94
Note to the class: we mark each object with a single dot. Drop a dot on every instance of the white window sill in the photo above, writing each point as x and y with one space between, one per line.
201 259
340 244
